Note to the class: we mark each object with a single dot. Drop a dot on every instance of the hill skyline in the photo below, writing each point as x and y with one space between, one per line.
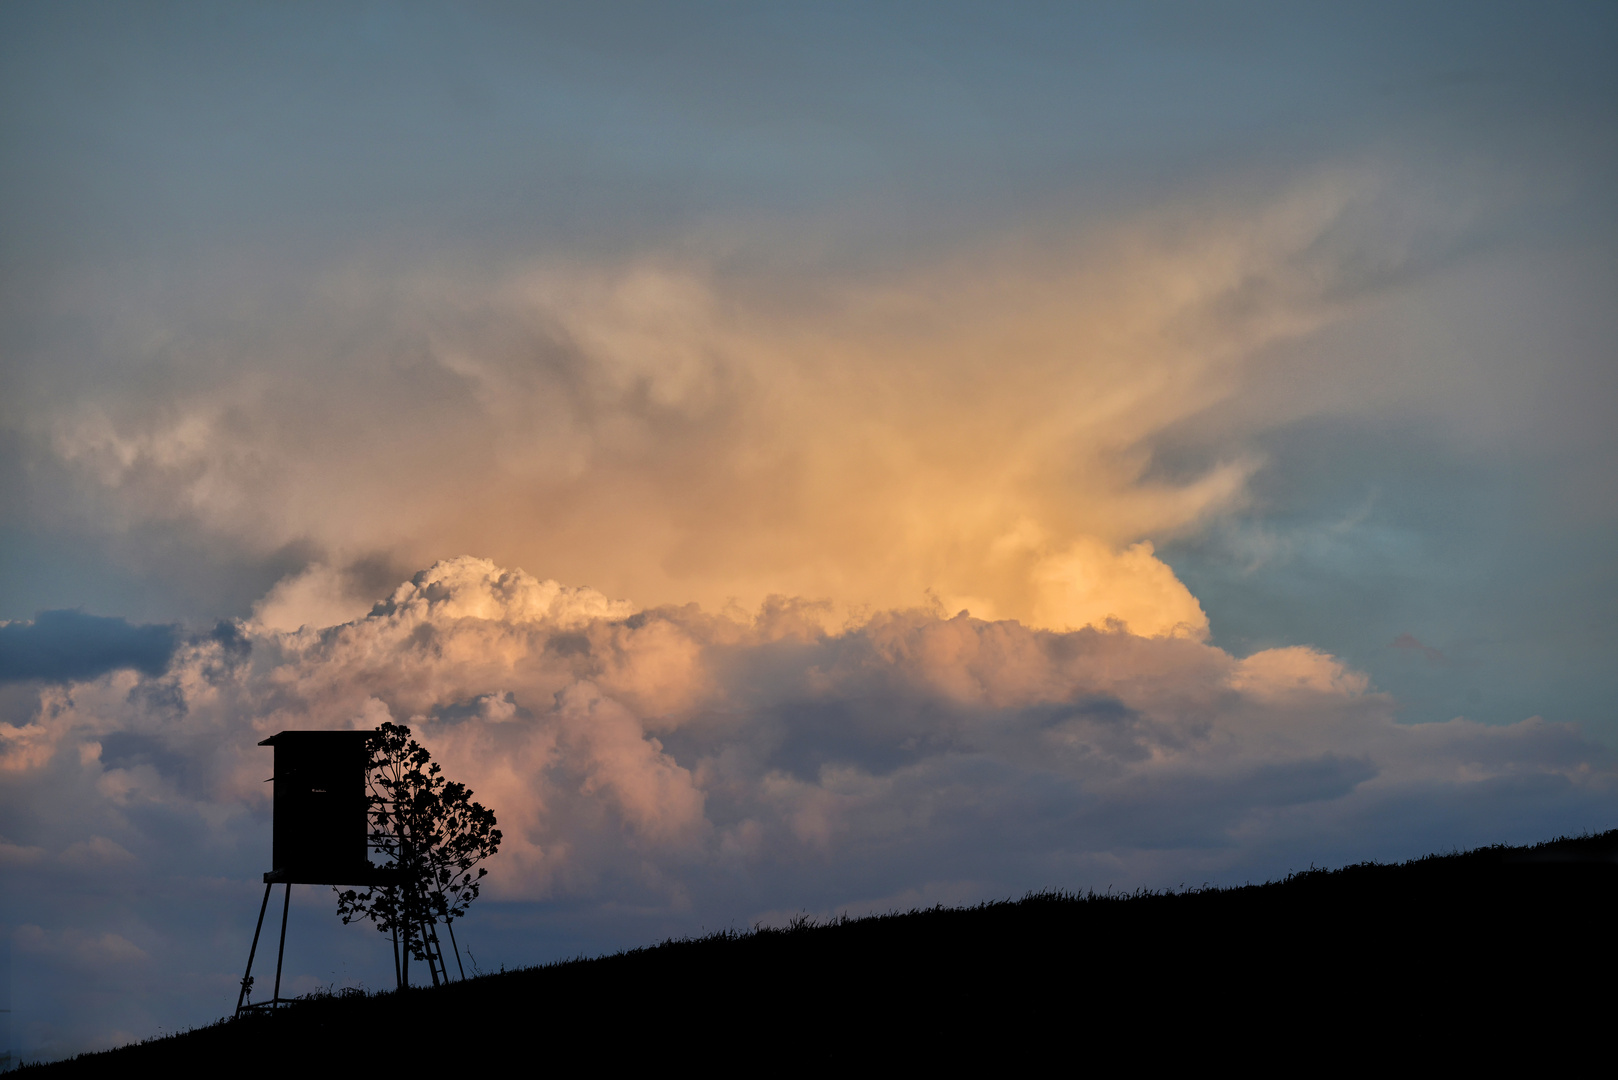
1325 957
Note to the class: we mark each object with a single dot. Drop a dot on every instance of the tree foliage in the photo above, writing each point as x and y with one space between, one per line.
433 836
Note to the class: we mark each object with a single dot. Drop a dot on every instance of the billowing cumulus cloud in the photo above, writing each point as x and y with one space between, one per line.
713 766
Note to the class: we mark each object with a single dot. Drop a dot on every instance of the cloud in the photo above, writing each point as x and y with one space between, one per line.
96 851
653 751
1411 643
61 645
709 421
83 950
317 595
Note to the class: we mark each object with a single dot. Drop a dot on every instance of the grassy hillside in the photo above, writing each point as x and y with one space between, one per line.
1498 953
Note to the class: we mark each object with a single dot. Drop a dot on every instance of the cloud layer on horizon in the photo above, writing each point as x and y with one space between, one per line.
698 767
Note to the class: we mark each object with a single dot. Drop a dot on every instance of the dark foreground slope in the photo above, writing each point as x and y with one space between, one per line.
1499 953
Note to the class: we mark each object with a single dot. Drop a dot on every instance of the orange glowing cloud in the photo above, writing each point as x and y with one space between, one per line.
969 434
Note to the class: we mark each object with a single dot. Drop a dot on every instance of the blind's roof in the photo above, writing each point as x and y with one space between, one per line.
315 736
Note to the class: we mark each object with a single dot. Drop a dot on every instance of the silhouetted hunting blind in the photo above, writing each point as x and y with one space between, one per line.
321 833
321 829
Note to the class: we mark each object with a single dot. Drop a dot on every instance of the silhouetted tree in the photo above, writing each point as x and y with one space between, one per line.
434 836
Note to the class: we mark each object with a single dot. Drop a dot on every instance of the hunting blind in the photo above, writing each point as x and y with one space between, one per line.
321 826
321 830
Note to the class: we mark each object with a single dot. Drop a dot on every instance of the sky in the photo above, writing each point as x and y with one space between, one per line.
790 458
